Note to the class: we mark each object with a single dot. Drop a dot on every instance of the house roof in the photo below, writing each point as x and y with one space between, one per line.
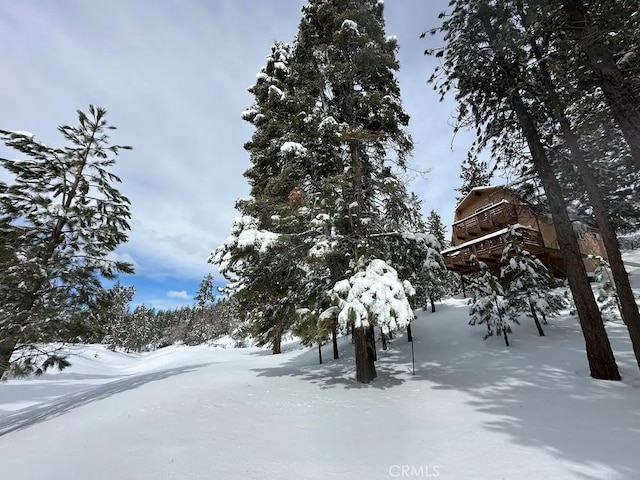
487 189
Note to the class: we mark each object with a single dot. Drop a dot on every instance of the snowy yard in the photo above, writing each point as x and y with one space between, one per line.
474 410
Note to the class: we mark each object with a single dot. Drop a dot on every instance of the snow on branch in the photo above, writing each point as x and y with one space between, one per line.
375 297
245 237
293 147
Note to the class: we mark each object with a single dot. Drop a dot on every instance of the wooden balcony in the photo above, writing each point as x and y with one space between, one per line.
493 218
490 250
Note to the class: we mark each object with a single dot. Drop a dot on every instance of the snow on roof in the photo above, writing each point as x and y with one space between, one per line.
478 189
485 237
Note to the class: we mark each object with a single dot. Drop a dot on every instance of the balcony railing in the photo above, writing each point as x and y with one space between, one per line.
490 250
491 219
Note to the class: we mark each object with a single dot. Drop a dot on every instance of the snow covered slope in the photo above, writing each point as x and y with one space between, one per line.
473 410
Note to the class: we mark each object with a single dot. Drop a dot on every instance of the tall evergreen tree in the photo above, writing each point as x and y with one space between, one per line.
475 173
65 215
549 95
596 27
436 228
335 200
499 100
350 67
265 278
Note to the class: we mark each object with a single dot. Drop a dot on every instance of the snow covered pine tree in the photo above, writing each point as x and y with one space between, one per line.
63 216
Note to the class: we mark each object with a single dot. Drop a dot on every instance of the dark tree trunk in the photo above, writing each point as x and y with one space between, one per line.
506 338
602 363
433 305
383 338
11 339
7 347
464 289
409 334
334 341
390 335
371 337
320 353
276 347
620 95
627 304
534 314
365 365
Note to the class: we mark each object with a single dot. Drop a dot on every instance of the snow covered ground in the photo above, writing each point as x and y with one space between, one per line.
473 410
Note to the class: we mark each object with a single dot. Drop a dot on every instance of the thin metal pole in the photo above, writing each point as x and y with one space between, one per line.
413 359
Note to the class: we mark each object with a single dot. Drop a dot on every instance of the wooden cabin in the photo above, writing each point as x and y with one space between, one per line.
480 226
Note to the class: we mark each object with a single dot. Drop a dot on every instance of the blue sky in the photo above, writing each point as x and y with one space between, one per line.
173 77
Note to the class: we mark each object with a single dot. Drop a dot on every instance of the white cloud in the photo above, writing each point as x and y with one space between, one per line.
181 294
175 87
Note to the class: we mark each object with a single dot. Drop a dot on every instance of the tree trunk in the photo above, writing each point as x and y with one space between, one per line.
409 334
365 366
320 353
534 314
464 290
627 303
334 341
383 338
433 305
620 95
371 337
7 347
276 347
390 335
602 363
506 338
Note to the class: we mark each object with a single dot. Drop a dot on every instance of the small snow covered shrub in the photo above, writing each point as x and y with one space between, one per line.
488 305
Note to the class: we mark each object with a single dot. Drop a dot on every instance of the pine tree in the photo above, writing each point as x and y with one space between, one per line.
436 228
374 297
349 67
206 292
65 216
595 28
488 305
117 313
498 95
571 123
475 173
327 158
529 284
607 298
263 280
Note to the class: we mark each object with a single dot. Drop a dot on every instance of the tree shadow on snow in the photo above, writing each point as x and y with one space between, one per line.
12 421
538 391
393 366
